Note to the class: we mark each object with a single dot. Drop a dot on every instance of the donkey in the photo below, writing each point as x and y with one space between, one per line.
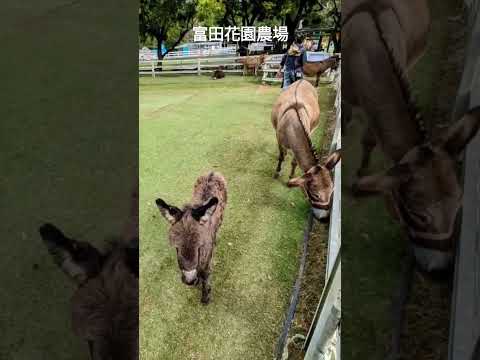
218 73
295 115
318 68
381 41
194 229
105 303
252 62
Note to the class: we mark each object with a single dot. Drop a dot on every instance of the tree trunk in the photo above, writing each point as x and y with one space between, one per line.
160 40
291 25
319 46
336 42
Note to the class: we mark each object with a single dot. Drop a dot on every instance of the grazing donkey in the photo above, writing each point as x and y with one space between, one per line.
105 304
381 40
194 229
295 115
218 73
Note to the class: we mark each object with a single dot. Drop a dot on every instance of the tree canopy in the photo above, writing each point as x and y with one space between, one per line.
169 21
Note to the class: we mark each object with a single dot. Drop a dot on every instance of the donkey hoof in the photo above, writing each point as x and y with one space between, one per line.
276 175
205 300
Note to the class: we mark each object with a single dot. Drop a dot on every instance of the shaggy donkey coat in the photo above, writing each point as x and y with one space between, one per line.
105 304
194 229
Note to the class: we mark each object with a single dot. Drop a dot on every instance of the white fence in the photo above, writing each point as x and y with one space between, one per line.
179 65
271 67
224 51
323 339
190 66
148 54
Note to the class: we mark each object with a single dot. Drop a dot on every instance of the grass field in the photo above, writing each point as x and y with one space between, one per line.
188 126
65 134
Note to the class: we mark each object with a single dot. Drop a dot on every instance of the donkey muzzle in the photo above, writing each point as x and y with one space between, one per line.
321 214
189 277
431 260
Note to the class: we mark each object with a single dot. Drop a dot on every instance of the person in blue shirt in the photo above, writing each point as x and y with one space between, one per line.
292 64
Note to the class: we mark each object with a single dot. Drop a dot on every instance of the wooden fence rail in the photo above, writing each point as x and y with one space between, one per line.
197 66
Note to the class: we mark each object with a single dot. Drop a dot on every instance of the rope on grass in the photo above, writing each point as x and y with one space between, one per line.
296 291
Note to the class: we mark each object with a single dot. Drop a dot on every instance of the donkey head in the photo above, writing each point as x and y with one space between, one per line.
425 194
317 184
189 234
105 303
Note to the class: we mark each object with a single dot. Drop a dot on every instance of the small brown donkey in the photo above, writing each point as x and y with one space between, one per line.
295 115
194 229
105 303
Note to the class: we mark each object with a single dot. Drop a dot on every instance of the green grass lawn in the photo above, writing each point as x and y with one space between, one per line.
190 125
65 134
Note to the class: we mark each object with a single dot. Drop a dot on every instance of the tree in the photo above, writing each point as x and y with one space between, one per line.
326 15
168 21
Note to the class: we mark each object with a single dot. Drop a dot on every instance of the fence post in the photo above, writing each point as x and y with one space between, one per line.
198 67
153 68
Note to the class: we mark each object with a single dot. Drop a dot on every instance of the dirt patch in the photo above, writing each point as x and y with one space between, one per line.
427 317
263 89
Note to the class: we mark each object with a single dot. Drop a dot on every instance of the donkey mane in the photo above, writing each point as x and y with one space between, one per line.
405 86
309 140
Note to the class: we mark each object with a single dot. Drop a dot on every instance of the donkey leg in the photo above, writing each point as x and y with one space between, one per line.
294 166
206 289
281 157
368 144
318 80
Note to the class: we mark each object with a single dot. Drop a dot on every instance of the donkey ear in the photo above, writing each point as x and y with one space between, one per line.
79 260
205 211
384 182
296 182
461 133
171 213
333 159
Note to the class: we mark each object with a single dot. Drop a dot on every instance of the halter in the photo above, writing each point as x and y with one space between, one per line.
436 241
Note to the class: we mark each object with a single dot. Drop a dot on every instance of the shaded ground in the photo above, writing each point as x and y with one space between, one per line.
374 246
426 331
188 126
